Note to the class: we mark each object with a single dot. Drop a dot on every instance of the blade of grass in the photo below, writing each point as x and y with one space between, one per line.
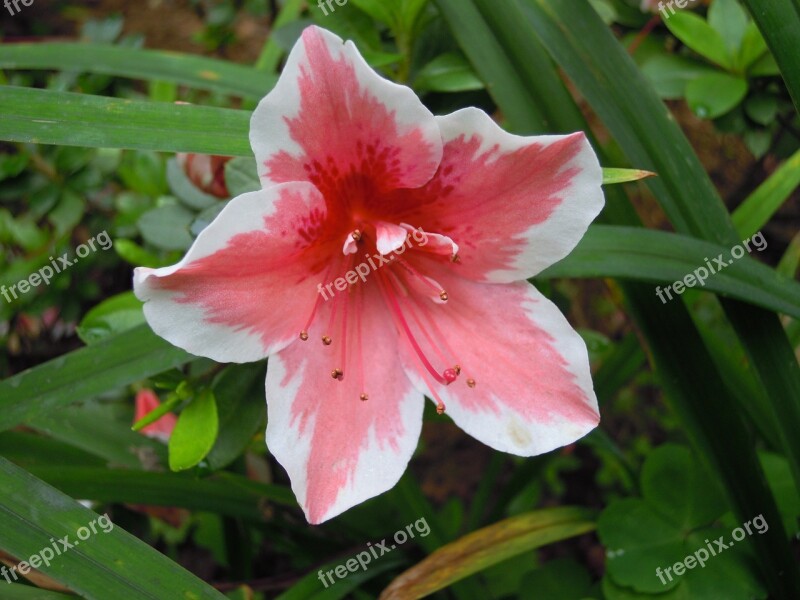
759 207
486 547
138 63
80 375
112 564
660 257
591 56
49 117
779 23
224 493
271 53
649 310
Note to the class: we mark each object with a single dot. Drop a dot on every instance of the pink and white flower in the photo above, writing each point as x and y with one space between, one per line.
351 164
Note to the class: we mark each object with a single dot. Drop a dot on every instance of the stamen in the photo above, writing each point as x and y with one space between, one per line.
356 235
364 397
398 314
471 383
426 281
326 340
304 335
337 374
455 258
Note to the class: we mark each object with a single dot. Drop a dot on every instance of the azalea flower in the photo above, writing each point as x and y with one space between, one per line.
206 172
351 165
146 402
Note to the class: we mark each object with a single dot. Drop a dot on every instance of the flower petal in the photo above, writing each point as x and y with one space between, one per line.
514 205
338 450
533 389
334 121
248 283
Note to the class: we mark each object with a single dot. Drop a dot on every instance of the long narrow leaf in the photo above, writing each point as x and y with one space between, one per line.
112 564
67 119
660 257
116 361
150 65
592 57
486 547
779 22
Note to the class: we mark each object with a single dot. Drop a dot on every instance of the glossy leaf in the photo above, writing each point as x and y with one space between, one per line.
195 433
112 564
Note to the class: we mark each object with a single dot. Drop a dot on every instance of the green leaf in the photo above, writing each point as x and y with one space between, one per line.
224 493
167 227
110 563
102 430
448 73
762 108
558 579
242 411
80 375
678 488
713 95
644 537
185 190
729 19
661 257
151 65
195 433
696 33
507 76
670 74
759 207
486 547
112 316
753 46
67 213
613 176
241 176
378 10
779 23
591 57
271 52
47 117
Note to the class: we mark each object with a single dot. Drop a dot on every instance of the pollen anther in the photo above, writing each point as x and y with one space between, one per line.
471 383
443 295
326 340
364 397
356 235
337 374
304 335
